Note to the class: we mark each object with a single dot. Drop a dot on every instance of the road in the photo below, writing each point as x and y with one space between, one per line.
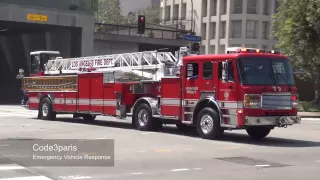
288 154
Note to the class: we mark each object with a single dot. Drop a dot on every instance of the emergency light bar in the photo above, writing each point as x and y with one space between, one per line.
235 50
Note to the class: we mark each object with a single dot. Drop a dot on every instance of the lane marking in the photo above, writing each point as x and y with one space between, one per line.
74 177
141 151
262 165
3 168
4 145
197 168
137 173
310 119
162 150
28 178
318 161
175 170
188 149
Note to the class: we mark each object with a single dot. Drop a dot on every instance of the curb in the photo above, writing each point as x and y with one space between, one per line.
310 116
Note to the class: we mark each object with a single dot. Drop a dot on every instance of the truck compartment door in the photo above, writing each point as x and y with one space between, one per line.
170 96
84 93
96 93
109 99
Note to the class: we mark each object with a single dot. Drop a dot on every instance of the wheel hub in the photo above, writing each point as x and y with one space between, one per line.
45 109
142 117
206 123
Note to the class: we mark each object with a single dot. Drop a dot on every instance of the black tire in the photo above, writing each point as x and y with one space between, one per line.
185 128
150 123
46 110
258 133
216 131
89 117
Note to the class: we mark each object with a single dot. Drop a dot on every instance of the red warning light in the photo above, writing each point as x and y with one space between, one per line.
142 19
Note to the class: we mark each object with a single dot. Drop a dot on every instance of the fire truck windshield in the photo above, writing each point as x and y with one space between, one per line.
265 71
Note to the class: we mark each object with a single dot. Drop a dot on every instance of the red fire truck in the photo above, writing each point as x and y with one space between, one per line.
244 88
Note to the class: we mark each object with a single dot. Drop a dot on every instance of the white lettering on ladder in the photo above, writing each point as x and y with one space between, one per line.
75 64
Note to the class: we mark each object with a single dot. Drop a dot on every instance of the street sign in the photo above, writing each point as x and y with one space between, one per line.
191 38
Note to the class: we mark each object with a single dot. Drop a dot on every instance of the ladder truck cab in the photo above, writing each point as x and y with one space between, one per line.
39 59
249 89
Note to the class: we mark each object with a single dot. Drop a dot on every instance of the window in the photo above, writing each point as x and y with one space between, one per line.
252 7
236 29
35 63
265 30
251 29
223 29
183 11
276 6
237 7
230 71
266 7
265 70
207 70
223 7
192 70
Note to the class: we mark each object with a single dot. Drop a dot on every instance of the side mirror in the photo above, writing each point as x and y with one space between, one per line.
225 71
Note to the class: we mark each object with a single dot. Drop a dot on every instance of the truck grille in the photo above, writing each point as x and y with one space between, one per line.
275 101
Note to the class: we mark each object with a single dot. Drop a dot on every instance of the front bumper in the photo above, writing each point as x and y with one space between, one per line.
272 120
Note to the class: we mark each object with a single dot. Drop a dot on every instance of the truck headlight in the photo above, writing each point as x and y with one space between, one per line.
252 101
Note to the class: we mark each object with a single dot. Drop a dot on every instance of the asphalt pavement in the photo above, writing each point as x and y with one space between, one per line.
287 153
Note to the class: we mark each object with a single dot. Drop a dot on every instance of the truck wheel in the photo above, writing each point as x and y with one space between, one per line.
258 133
89 117
46 111
143 119
208 124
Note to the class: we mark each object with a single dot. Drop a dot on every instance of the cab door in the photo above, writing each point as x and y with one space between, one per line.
192 81
191 86
228 93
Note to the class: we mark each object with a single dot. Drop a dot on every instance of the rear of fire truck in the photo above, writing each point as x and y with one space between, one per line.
267 89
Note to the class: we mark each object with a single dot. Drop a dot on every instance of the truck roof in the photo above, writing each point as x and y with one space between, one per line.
229 56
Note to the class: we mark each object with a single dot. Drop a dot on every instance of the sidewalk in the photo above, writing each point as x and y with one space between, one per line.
309 114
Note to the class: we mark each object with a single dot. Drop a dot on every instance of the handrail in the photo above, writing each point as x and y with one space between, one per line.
127 30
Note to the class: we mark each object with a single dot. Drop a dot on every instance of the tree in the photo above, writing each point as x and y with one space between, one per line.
297 30
109 12
152 15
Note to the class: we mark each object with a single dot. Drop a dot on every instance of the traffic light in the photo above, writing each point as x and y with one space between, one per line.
141 24
195 47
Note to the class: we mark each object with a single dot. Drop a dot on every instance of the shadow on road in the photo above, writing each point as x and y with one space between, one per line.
192 133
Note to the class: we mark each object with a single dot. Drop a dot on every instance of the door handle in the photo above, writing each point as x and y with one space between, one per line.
230 87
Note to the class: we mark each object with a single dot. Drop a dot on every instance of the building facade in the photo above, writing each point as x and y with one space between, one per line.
223 23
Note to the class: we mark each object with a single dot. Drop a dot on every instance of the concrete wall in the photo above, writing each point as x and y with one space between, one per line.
18 13
113 47
83 5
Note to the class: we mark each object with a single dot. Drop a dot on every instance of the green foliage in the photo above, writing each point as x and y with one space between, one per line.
152 15
297 30
306 106
109 11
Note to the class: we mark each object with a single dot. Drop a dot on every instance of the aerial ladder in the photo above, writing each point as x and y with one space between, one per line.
152 65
